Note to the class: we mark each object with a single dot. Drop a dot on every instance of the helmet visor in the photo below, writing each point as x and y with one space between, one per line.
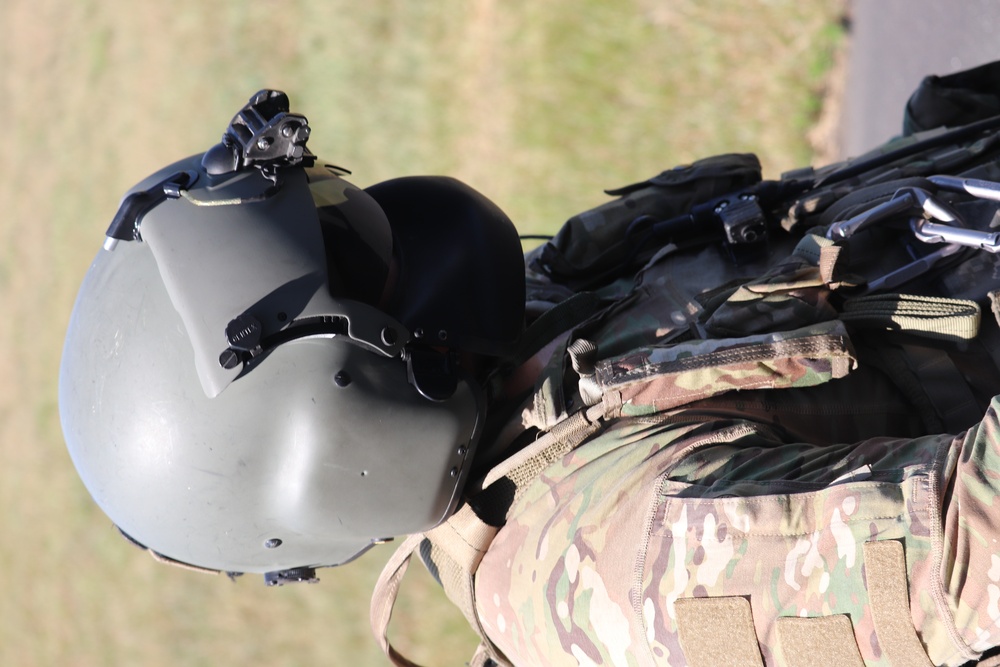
356 237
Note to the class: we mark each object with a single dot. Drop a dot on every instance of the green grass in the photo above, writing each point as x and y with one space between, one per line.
539 105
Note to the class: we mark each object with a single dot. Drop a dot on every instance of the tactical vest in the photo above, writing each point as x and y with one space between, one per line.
884 260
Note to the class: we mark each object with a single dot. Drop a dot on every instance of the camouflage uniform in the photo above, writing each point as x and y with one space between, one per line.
693 491
757 466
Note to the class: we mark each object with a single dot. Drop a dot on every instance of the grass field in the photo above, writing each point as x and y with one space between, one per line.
539 105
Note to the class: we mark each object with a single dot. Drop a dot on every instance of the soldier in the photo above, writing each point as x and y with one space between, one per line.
718 420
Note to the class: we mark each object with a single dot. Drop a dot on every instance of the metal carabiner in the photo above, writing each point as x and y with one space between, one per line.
974 186
936 223
904 200
932 232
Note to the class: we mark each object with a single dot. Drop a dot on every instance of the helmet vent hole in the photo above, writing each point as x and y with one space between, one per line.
282 316
342 379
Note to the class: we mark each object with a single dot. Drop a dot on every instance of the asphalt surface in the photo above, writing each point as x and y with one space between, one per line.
894 44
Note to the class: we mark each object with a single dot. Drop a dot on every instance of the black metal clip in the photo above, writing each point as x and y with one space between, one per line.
125 225
743 221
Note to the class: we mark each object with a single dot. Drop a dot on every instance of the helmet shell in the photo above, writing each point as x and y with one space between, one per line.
300 458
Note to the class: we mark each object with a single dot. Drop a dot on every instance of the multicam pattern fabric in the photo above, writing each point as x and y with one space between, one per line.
654 379
752 451
686 495
596 553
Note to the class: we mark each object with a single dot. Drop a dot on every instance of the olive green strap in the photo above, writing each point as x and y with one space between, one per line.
933 317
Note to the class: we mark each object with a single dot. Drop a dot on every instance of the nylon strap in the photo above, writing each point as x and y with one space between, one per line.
945 386
894 363
458 538
464 538
823 641
933 317
548 327
558 319
384 597
564 436
885 568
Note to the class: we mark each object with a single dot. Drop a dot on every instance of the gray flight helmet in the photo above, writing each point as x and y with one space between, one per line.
242 388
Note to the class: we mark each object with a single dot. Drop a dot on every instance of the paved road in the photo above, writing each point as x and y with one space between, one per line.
894 44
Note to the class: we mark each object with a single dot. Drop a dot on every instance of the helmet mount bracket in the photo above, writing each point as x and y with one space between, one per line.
263 134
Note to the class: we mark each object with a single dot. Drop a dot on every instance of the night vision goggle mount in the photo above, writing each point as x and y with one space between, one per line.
262 135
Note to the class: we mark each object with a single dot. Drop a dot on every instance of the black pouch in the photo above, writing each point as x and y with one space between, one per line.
955 99
591 246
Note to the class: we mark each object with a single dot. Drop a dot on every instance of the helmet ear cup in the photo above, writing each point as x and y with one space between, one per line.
461 267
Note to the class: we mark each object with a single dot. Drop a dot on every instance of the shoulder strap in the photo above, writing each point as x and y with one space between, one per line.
463 539
384 598
457 546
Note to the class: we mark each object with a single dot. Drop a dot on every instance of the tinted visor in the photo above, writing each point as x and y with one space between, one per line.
356 237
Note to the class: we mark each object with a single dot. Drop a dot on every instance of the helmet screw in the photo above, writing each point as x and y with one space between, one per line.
453 472
419 333
272 543
229 359
389 336
264 142
443 335
342 378
462 451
